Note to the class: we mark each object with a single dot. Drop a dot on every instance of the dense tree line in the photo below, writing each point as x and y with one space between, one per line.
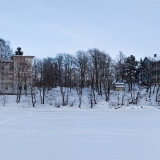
92 69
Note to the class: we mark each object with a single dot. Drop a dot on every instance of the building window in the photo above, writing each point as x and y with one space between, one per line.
6 87
11 67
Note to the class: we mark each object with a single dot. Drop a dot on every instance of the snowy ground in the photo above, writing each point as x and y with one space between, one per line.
79 134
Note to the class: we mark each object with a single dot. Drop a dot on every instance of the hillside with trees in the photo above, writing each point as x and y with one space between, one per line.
91 74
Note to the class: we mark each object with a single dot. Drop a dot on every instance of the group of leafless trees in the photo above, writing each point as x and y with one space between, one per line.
95 71
92 69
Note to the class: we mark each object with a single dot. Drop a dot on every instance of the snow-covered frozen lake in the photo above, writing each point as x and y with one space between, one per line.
79 134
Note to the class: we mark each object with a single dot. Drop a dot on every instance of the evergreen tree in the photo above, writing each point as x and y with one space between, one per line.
19 52
143 71
130 70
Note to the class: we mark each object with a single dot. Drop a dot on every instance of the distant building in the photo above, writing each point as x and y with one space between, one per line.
119 86
153 65
14 73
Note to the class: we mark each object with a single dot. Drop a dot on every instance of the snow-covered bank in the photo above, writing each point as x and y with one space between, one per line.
76 134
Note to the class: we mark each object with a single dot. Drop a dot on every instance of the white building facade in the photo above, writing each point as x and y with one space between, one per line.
15 73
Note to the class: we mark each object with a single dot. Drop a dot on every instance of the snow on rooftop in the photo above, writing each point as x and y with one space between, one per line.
153 59
157 58
120 86
119 83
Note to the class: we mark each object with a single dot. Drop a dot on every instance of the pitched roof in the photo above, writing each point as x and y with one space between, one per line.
154 59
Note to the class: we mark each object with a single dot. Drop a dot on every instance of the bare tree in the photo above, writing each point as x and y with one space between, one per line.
123 100
95 55
82 64
119 67
41 80
135 95
64 94
108 77
79 89
5 49
4 99
90 96
33 88
59 68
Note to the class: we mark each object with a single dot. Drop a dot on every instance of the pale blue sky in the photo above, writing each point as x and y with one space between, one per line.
46 27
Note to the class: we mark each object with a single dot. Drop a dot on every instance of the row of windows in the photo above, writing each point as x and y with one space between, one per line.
7 66
7 78
6 87
25 87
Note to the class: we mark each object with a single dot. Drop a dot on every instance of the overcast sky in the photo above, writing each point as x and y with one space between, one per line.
44 28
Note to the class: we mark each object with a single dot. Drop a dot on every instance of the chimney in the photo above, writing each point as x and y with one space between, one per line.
155 55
